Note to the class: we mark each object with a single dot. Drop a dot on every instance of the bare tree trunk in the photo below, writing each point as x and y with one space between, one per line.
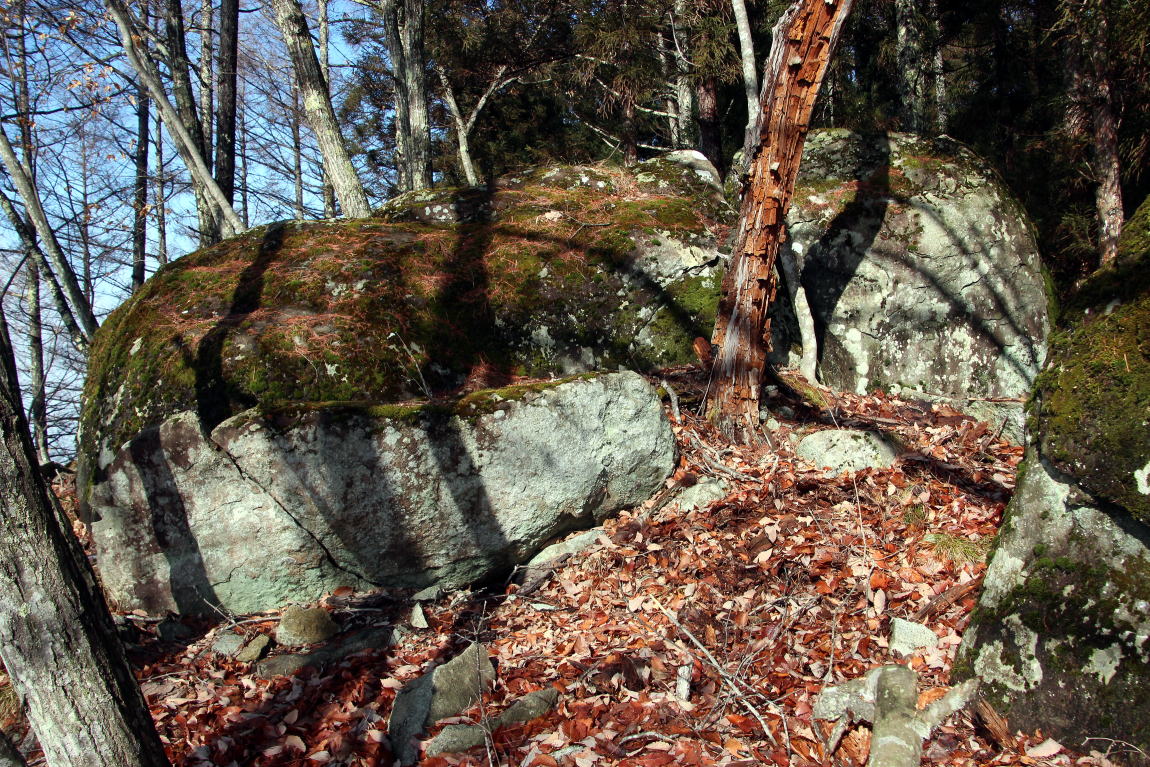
461 129
297 154
243 167
912 65
210 199
161 198
710 128
57 639
938 71
22 181
325 67
317 107
180 67
403 34
140 200
226 111
804 41
207 79
27 237
750 74
38 407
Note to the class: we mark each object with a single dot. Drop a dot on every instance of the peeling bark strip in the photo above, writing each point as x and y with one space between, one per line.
804 41
57 639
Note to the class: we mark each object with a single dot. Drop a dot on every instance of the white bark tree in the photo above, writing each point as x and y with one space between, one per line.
318 109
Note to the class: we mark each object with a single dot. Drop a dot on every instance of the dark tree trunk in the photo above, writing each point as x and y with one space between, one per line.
140 203
804 41
57 639
226 111
710 128
180 69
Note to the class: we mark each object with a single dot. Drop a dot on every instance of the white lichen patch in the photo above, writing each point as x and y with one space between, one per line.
1142 479
1104 663
990 666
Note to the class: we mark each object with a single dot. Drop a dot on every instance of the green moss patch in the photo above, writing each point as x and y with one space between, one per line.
1093 400
400 306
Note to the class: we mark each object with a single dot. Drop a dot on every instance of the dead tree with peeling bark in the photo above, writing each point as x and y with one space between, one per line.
804 41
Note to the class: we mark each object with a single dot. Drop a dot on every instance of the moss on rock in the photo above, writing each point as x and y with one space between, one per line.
545 274
1093 400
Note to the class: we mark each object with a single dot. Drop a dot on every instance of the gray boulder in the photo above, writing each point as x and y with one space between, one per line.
288 504
1061 635
921 273
846 450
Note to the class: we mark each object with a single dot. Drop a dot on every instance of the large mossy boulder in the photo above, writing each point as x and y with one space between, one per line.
287 503
553 272
1061 635
921 272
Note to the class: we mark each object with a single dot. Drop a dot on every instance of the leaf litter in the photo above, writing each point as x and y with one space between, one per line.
695 638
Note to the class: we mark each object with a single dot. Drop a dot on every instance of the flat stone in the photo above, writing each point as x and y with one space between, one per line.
531 706
302 626
430 594
255 649
907 637
576 544
444 691
846 450
374 638
701 494
227 643
455 738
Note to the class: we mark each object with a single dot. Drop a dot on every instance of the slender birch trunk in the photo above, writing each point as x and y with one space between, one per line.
317 106
804 42
140 197
750 73
161 196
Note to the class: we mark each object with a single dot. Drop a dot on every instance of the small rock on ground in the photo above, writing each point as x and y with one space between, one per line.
302 625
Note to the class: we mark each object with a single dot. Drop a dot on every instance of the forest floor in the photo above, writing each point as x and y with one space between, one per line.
678 636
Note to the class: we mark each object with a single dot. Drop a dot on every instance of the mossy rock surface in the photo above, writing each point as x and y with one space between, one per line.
1093 400
561 270
1059 637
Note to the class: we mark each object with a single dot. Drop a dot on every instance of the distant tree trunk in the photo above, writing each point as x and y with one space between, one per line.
161 197
403 34
804 42
27 237
227 94
317 106
630 133
750 74
140 198
243 167
297 154
180 67
710 127
38 407
912 65
325 67
207 79
215 210
57 639
26 188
